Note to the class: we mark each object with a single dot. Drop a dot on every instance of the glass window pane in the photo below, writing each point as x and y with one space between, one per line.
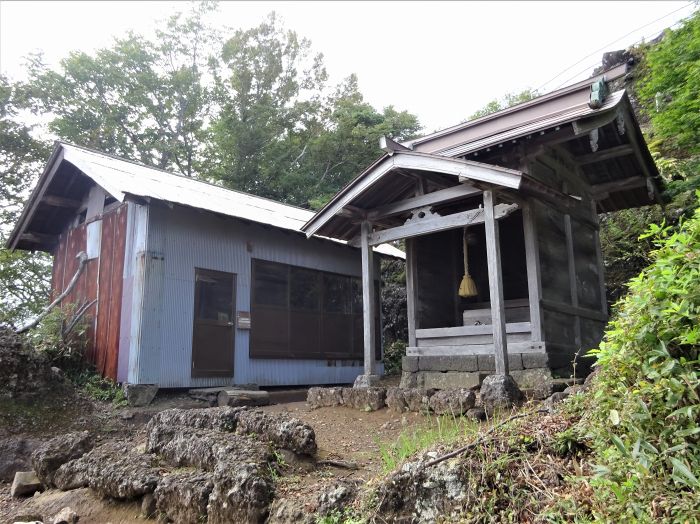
304 289
215 297
270 286
336 294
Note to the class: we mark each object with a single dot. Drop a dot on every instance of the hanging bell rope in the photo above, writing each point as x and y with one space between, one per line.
467 288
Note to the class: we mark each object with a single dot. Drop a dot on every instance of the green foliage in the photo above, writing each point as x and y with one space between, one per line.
99 388
341 517
669 90
63 350
643 420
393 353
509 100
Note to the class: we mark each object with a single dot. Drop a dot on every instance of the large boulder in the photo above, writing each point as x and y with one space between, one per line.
222 419
51 455
16 455
242 493
115 469
499 392
183 497
452 401
279 430
205 449
336 498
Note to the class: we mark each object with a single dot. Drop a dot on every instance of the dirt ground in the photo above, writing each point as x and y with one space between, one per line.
343 434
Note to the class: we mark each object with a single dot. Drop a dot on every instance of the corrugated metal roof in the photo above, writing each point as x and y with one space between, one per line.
121 177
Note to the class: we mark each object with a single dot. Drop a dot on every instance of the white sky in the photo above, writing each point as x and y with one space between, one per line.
438 60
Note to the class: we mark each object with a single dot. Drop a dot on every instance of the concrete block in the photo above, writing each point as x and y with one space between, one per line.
445 363
535 360
324 397
409 364
531 378
140 394
239 397
486 363
25 484
449 380
365 399
515 361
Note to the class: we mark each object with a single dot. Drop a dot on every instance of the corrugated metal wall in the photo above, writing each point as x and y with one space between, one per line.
180 240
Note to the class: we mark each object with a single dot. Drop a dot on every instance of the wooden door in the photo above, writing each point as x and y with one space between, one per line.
214 314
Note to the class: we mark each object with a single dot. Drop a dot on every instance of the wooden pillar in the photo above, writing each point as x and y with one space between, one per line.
532 259
599 260
411 295
498 313
368 302
568 228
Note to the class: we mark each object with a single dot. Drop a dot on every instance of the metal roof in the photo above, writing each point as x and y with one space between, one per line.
121 177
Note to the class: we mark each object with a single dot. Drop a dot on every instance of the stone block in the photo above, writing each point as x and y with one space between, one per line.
324 397
140 394
535 360
515 361
531 378
238 397
408 380
448 363
25 484
486 362
410 399
365 399
452 401
448 380
409 364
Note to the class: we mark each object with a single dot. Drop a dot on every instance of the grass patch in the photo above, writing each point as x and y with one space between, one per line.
443 430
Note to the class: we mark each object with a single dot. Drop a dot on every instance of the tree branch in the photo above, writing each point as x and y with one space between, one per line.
82 256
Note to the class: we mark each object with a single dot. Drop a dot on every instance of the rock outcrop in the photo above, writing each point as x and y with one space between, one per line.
53 454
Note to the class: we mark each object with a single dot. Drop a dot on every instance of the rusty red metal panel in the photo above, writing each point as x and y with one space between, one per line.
59 264
104 289
115 298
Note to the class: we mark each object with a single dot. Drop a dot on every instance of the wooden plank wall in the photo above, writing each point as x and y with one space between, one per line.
101 281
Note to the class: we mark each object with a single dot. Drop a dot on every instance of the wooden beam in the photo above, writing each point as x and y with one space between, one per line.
605 154
474 349
568 309
59 201
391 146
442 196
441 223
532 261
602 191
461 331
599 263
411 295
498 312
38 238
368 304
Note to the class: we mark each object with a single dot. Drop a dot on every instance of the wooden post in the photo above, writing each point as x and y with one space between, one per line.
498 312
568 228
599 260
532 259
411 296
368 303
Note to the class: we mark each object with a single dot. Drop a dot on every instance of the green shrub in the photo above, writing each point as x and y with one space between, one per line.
642 420
392 357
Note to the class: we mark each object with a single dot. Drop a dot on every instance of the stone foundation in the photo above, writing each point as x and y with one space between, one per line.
468 371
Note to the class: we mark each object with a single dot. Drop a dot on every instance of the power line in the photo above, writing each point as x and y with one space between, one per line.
611 43
593 64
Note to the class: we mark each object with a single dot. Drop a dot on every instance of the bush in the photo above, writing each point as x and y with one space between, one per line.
642 420
393 354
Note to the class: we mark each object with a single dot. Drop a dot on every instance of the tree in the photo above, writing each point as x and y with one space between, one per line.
139 99
23 275
508 100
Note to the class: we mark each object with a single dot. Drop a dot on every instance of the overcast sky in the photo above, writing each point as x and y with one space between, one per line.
439 60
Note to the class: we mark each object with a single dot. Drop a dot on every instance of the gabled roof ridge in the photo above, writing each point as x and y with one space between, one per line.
179 175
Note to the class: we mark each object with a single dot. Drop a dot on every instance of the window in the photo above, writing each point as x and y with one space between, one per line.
304 313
